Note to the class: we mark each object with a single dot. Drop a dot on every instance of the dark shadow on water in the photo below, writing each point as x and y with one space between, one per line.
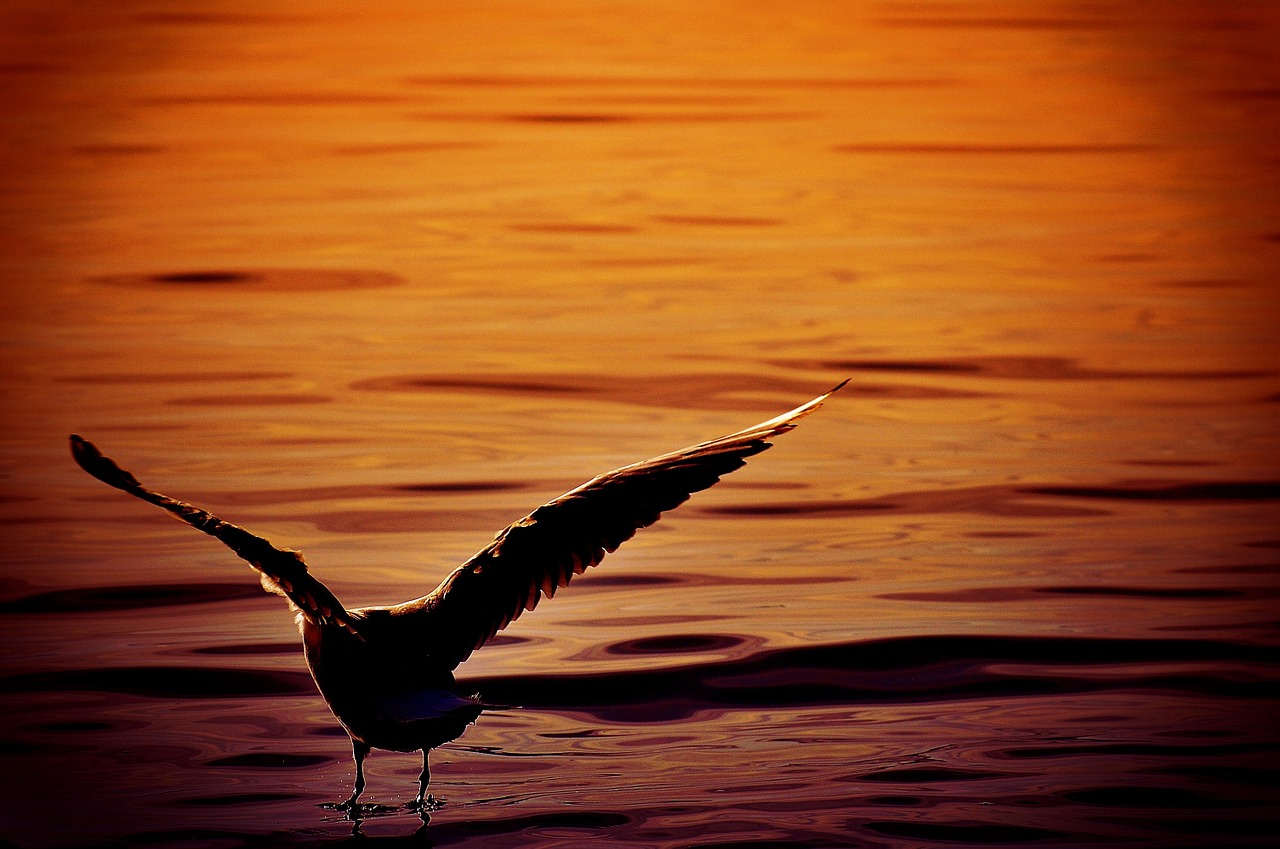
1006 595
922 775
128 597
978 833
681 644
1073 748
248 649
1019 500
1155 592
702 391
270 760
1232 569
164 682
1129 796
784 843
1018 368
205 277
455 832
899 670
588 824
1197 491
634 580
235 800
247 280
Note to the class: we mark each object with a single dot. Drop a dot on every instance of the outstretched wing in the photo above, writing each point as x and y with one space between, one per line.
544 550
281 571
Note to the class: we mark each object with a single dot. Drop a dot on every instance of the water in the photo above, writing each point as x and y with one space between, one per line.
375 285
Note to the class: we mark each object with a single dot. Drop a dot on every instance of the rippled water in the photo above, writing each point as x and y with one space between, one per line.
376 284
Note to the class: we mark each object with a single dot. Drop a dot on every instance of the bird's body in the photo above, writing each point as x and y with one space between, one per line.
387 672
384 686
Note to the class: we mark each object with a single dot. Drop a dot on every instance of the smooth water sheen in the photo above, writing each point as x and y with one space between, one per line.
376 280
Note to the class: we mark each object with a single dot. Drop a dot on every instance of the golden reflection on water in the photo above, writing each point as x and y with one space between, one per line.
376 283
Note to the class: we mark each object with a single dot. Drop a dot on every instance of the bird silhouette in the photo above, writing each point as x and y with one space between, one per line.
387 671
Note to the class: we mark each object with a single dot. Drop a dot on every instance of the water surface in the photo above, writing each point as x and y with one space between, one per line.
376 284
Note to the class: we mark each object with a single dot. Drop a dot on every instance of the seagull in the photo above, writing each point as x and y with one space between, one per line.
386 672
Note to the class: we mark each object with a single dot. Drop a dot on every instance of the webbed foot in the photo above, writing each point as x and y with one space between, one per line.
427 803
356 811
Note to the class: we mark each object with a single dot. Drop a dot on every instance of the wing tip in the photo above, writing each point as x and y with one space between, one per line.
93 461
81 448
805 409
817 402
787 421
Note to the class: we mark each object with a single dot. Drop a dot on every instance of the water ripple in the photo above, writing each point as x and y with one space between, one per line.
700 391
240 280
164 682
901 670
1020 368
128 597
1016 500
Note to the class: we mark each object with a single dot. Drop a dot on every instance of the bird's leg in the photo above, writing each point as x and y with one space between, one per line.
424 801
360 750
423 780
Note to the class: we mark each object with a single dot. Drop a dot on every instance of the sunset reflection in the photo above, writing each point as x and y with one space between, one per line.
375 282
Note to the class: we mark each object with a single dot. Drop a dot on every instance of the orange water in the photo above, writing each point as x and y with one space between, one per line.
374 282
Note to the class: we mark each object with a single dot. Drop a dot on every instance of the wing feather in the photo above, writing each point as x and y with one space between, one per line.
282 571
564 537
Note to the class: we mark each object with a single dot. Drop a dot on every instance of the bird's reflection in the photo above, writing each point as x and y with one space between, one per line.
359 814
